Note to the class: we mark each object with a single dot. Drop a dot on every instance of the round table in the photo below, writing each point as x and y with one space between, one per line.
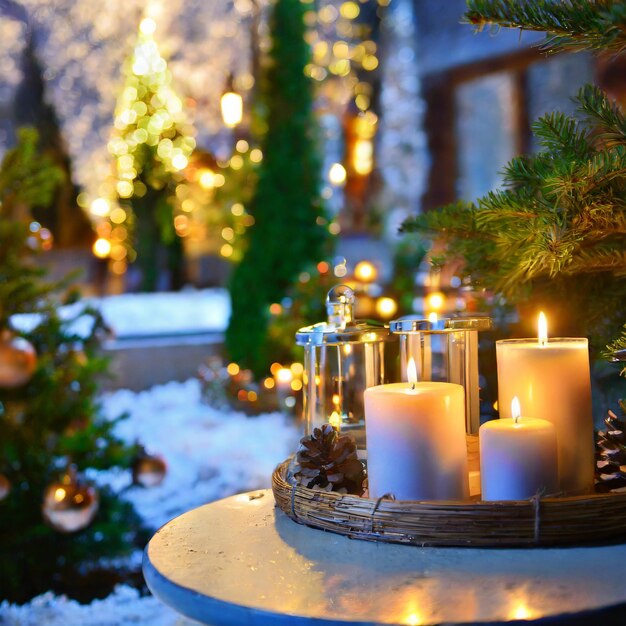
242 562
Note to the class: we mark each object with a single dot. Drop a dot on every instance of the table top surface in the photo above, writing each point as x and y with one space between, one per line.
242 561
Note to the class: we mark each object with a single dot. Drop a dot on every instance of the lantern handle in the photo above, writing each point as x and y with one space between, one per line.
340 303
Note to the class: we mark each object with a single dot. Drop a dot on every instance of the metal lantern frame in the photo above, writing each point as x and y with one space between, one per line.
446 350
342 357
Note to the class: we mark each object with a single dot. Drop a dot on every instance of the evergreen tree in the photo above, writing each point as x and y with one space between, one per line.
152 142
48 415
555 236
290 229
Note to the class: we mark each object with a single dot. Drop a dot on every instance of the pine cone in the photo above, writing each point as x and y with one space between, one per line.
611 454
329 461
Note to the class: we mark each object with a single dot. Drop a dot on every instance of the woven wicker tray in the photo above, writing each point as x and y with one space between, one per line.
536 522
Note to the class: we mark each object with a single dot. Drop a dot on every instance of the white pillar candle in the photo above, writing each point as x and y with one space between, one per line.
416 446
518 457
552 380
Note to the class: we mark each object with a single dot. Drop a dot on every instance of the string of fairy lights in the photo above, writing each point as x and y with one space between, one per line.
150 113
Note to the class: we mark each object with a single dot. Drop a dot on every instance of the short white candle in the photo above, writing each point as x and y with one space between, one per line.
551 378
416 446
518 457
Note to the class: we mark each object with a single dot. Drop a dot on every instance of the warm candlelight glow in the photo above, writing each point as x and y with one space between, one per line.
516 410
543 329
335 420
432 318
411 372
521 610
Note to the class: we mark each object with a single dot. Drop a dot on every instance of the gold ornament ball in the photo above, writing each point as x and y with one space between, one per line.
149 470
18 360
5 487
69 505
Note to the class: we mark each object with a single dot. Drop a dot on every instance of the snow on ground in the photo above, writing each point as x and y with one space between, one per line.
135 315
169 313
210 454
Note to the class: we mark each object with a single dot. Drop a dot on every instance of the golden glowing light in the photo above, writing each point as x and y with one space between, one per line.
180 162
435 301
283 375
269 383
256 155
207 179
349 10
118 267
335 420
236 162
386 307
297 368
232 369
413 619
337 174
59 494
232 108
363 156
101 248
118 215
147 26
433 317
543 329
365 272
296 385
521 611
100 207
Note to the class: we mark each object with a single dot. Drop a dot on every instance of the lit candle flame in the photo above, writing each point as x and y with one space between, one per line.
335 420
516 410
411 372
543 329
432 317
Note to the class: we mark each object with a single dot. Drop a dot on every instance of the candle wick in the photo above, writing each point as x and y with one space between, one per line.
516 419
412 386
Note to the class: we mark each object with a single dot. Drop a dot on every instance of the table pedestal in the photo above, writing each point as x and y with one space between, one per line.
241 562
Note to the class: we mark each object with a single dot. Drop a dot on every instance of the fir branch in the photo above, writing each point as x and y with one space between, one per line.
605 114
616 352
561 133
570 24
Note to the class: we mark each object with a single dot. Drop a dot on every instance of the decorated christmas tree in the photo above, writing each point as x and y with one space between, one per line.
290 229
555 236
151 145
51 430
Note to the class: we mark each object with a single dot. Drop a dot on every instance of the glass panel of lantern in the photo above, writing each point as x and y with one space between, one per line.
445 350
342 358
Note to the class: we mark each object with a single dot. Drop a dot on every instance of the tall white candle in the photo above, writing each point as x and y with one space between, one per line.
518 457
416 446
551 378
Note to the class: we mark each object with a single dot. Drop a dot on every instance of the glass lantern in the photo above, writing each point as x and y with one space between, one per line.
342 358
445 350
